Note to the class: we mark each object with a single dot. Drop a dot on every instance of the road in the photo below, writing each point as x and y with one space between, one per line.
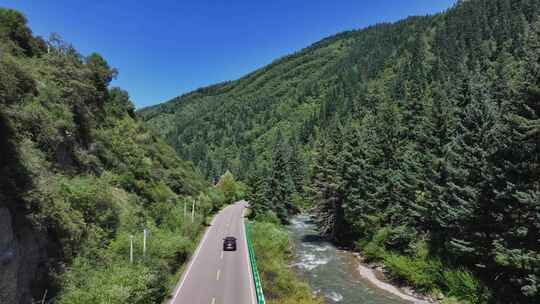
214 276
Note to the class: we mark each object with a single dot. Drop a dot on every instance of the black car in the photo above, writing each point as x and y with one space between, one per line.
229 243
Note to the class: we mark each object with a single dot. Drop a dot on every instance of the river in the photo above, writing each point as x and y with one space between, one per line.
332 273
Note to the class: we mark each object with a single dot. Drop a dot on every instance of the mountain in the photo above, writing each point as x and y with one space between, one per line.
224 126
79 174
415 142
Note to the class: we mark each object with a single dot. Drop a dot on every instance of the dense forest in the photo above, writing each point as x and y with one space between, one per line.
79 174
416 142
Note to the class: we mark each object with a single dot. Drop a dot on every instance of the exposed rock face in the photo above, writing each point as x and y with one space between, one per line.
23 260
25 252
8 265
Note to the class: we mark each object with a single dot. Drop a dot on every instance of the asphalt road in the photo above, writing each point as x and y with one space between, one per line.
214 276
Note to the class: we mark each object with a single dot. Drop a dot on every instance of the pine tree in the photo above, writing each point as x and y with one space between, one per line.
297 167
280 185
439 132
468 210
358 181
257 193
518 190
405 199
327 185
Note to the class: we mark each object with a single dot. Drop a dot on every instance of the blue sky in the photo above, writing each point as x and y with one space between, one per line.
165 48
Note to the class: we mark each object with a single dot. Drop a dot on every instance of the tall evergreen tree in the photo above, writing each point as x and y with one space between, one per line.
518 190
327 183
471 177
280 185
297 167
257 193
355 163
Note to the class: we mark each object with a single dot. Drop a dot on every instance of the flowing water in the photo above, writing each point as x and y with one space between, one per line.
332 273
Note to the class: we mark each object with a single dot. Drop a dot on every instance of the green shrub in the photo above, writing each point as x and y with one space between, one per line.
88 279
372 251
93 198
462 285
241 190
420 272
373 248
451 300
228 186
160 193
217 198
268 217
165 213
116 283
204 204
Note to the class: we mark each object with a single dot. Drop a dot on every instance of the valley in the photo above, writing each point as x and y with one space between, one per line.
413 144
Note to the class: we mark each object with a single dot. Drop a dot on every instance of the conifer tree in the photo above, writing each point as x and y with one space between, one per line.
471 177
297 167
518 188
358 181
280 185
440 131
327 186
257 193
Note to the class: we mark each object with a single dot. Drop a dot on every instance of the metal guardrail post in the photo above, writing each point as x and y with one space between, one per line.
256 278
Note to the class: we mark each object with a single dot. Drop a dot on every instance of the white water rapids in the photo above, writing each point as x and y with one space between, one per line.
332 273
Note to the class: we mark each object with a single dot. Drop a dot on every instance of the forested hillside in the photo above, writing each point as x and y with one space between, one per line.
78 174
417 141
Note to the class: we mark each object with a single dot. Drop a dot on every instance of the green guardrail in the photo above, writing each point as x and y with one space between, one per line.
256 278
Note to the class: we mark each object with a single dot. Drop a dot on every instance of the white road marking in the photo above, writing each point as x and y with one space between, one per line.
217 274
222 254
197 252
193 259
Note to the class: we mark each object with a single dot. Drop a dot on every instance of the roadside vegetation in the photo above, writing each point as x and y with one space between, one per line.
106 275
